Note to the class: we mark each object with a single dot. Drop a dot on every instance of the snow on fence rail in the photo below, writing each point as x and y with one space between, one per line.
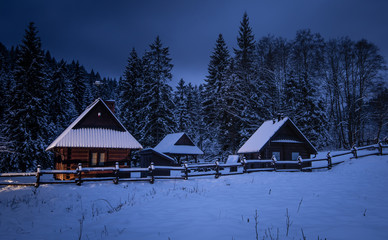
193 170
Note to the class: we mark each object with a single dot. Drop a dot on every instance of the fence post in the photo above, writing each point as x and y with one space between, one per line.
186 171
79 172
300 162
273 162
37 176
354 151
151 169
217 170
329 162
244 164
116 173
380 148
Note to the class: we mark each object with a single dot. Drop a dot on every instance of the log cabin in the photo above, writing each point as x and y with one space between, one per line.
179 146
95 139
279 137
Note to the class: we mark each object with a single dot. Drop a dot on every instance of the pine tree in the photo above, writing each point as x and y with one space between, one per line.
188 110
130 90
245 70
27 124
266 56
245 60
110 88
214 95
96 87
61 108
157 95
218 70
79 86
181 109
4 78
232 123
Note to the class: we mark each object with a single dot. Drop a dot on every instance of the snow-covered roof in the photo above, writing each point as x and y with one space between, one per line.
95 137
265 132
169 145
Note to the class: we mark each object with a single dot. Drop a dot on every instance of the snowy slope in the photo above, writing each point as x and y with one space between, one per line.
347 202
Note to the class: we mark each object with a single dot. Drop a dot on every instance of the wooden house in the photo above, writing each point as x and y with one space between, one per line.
280 138
179 146
95 139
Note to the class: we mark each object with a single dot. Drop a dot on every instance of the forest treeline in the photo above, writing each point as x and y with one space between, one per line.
334 90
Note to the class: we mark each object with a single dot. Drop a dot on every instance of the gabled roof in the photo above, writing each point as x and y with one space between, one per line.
74 136
266 131
172 144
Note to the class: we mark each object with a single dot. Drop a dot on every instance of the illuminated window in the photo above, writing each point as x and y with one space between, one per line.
102 159
97 158
94 159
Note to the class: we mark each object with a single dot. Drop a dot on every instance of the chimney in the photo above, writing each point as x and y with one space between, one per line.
110 104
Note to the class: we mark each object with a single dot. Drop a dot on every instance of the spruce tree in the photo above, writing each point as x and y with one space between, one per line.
181 110
266 56
61 108
79 86
4 78
245 70
232 123
216 78
27 124
245 53
157 95
130 90
214 99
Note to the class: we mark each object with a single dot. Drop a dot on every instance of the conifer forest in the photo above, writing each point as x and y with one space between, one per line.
335 90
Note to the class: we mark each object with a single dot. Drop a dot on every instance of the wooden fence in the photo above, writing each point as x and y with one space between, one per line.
193 170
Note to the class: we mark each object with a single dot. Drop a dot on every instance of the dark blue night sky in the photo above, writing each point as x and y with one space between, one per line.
100 34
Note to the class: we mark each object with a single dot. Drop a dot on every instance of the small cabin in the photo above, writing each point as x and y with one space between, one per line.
278 137
95 139
150 155
180 147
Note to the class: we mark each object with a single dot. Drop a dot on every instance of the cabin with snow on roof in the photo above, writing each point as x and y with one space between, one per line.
95 139
179 146
281 138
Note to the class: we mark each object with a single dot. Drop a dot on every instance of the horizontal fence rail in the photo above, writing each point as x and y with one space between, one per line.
192 170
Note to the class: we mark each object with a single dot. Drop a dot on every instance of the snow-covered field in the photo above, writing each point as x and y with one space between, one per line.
348 202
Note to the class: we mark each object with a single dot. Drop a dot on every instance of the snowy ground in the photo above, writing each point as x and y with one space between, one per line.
348 202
